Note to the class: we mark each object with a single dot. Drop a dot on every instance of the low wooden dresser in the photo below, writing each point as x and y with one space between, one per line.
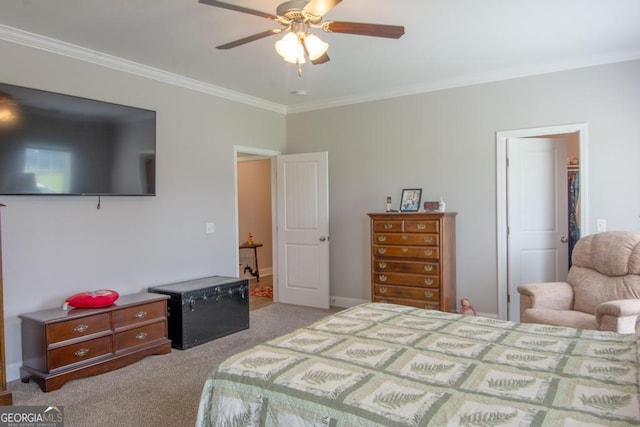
413 259
59 345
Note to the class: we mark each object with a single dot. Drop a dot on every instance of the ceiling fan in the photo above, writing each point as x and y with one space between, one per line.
297 18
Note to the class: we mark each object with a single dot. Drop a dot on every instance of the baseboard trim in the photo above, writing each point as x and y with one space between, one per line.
343 302
13 371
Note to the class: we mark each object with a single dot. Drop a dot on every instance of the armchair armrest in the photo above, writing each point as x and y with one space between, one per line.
619 308
552 295
618 315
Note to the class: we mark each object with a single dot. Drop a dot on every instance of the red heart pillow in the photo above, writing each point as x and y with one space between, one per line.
92 299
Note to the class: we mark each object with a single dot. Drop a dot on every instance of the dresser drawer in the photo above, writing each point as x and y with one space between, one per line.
385 291
410 302
77 328
80 352
388 225
426 252
139 336
417 267
417 239
421 226
406 279
139 313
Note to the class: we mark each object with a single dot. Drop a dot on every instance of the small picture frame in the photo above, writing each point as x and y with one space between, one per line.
410 201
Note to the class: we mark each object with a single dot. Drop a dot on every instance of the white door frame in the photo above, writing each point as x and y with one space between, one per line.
501 192
274 246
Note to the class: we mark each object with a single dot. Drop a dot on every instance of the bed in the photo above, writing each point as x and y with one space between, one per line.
381 364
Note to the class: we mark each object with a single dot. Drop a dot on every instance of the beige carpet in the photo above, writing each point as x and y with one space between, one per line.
160 390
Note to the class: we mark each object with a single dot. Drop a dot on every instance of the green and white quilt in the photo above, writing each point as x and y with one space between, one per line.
391 365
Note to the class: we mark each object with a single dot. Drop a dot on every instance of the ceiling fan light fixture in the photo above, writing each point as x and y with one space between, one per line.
290 49
315 47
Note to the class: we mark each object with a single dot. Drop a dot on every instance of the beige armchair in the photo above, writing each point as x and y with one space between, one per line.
602 290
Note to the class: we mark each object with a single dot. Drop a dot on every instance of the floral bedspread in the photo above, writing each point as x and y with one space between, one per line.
390 365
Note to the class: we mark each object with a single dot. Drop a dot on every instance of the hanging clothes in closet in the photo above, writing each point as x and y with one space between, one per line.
573 176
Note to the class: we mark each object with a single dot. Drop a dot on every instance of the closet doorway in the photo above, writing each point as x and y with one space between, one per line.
542 206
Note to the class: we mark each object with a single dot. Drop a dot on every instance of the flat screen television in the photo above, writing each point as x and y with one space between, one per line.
66 145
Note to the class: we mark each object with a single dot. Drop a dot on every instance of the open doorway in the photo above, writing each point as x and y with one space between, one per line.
573 138
255 224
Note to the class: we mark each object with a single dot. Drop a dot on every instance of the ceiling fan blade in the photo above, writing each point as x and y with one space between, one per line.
239 9
320 7
248 39
324 58
362 29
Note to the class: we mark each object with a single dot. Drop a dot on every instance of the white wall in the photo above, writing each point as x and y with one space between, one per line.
445 143
56 246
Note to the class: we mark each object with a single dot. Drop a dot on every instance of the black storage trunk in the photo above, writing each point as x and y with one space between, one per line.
204 309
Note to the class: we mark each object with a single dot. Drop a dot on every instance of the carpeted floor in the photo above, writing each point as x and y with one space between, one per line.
161 390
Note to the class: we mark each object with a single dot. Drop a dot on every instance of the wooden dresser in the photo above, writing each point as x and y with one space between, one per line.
58 345
413 259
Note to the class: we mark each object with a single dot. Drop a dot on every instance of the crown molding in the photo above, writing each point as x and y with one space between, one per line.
47 44
26 38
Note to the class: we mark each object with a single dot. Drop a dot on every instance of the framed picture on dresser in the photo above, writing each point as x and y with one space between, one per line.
410 201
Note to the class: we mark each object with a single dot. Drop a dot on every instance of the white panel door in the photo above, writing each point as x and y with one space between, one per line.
537 214
303 229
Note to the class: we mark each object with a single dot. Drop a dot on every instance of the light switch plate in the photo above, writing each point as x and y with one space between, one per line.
210 227
601 225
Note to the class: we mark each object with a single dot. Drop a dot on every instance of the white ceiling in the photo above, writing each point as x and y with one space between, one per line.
447 43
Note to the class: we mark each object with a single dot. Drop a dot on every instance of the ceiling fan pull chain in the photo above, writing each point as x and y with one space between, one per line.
299 69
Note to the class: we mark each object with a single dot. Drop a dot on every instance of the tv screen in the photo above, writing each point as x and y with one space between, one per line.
54 144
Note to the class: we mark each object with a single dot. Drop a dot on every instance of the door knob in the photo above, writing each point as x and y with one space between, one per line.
322 238
563 239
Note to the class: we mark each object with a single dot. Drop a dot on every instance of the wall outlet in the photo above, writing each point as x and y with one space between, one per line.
210 227
601 225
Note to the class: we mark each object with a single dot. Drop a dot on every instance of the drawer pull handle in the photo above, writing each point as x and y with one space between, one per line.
428 268
382 265
405 250
382 251
421 226
141 336
81 328
428 294
383 290
388 226
428 252
141 314
82 352
382 238
428 281
405 237
382 278
428 239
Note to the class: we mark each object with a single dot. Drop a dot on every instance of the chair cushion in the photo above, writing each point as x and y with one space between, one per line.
606 266
569 318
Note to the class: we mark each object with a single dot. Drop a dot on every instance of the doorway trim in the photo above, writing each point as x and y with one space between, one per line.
501 192
267 154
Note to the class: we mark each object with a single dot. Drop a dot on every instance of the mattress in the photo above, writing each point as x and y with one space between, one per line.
381 364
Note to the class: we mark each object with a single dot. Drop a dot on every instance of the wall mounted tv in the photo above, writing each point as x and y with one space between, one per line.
67 145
